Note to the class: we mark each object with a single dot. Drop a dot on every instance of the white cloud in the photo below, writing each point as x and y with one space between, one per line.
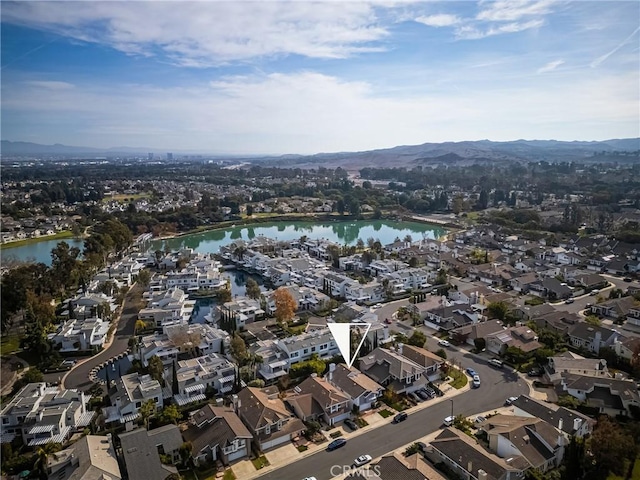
210 33
468 32
551 66
601 59
512 10
440 20
51 85
309 112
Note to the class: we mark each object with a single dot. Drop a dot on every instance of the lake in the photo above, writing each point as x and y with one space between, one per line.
341 232
39 252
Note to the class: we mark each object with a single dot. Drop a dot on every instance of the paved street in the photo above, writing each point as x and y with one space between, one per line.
79 376
496 386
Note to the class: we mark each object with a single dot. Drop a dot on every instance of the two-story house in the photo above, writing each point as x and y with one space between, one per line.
390 368
362 391
316 398
266 416
217 433
195 375
128 394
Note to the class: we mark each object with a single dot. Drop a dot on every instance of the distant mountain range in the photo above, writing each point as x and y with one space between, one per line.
454 153
470 152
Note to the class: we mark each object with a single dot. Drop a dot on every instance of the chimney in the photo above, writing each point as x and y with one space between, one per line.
400 348
219 402
577 423
236 403
482 475
560 424
83 403
470 467
332 368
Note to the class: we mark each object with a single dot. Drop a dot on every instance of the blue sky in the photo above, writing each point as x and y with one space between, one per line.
301 77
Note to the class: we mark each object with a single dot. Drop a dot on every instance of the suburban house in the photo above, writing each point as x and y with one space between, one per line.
557 321
429 361
41 414
266 416
141 450
301 347
627 347
91 457
448 317
242 310
128 394
470 461
616 308
217 433
315 398
195 375
541 444
592 337
469 333
193 338
390 368
611 396
168 308
571 422
571 363
362 391
306 299
521 337
81 334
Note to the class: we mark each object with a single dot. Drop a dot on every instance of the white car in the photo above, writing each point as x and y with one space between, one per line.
377 305
362 460
449 421
476 381
310 478
444 343
510 400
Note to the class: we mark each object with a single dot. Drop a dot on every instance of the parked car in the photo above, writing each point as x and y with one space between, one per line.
421 446
510 400
479 419
476 381
444 343
309 478
535 373
494 362
414 397
362 460
351 424
377 305
337 443
423 395
471 372
627 279
448 421
401 417
569 300
431 392
594 292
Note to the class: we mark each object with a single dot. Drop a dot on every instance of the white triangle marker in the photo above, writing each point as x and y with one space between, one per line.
342 335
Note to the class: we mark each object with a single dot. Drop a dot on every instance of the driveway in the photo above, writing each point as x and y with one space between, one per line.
78 377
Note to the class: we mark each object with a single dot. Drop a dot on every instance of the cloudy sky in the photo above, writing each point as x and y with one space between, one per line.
302 77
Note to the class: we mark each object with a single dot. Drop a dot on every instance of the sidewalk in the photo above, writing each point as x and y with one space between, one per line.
287 454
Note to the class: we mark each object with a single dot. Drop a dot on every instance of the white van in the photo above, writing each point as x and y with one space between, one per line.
449 421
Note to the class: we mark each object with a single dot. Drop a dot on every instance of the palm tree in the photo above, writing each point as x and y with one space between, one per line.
40 465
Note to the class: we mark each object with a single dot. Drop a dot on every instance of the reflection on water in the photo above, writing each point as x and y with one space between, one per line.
346 232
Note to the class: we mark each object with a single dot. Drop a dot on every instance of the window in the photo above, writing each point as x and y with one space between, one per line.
267 429
306 350
160 449
138 404
313 349
294 354
5 420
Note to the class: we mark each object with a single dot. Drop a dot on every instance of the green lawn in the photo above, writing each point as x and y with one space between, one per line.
336 434
302 448
459 378
122 197
229 475
260 462
9 344
385 413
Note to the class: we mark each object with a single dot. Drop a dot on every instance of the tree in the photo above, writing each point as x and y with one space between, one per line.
253 289
418 339
175 386
441 353
480 344
574 459
156 369
42 456
593 320
185 452
170 414
224 295
285 305
144 277
146 411
498 310
238 349
611 446
140 326
414 262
